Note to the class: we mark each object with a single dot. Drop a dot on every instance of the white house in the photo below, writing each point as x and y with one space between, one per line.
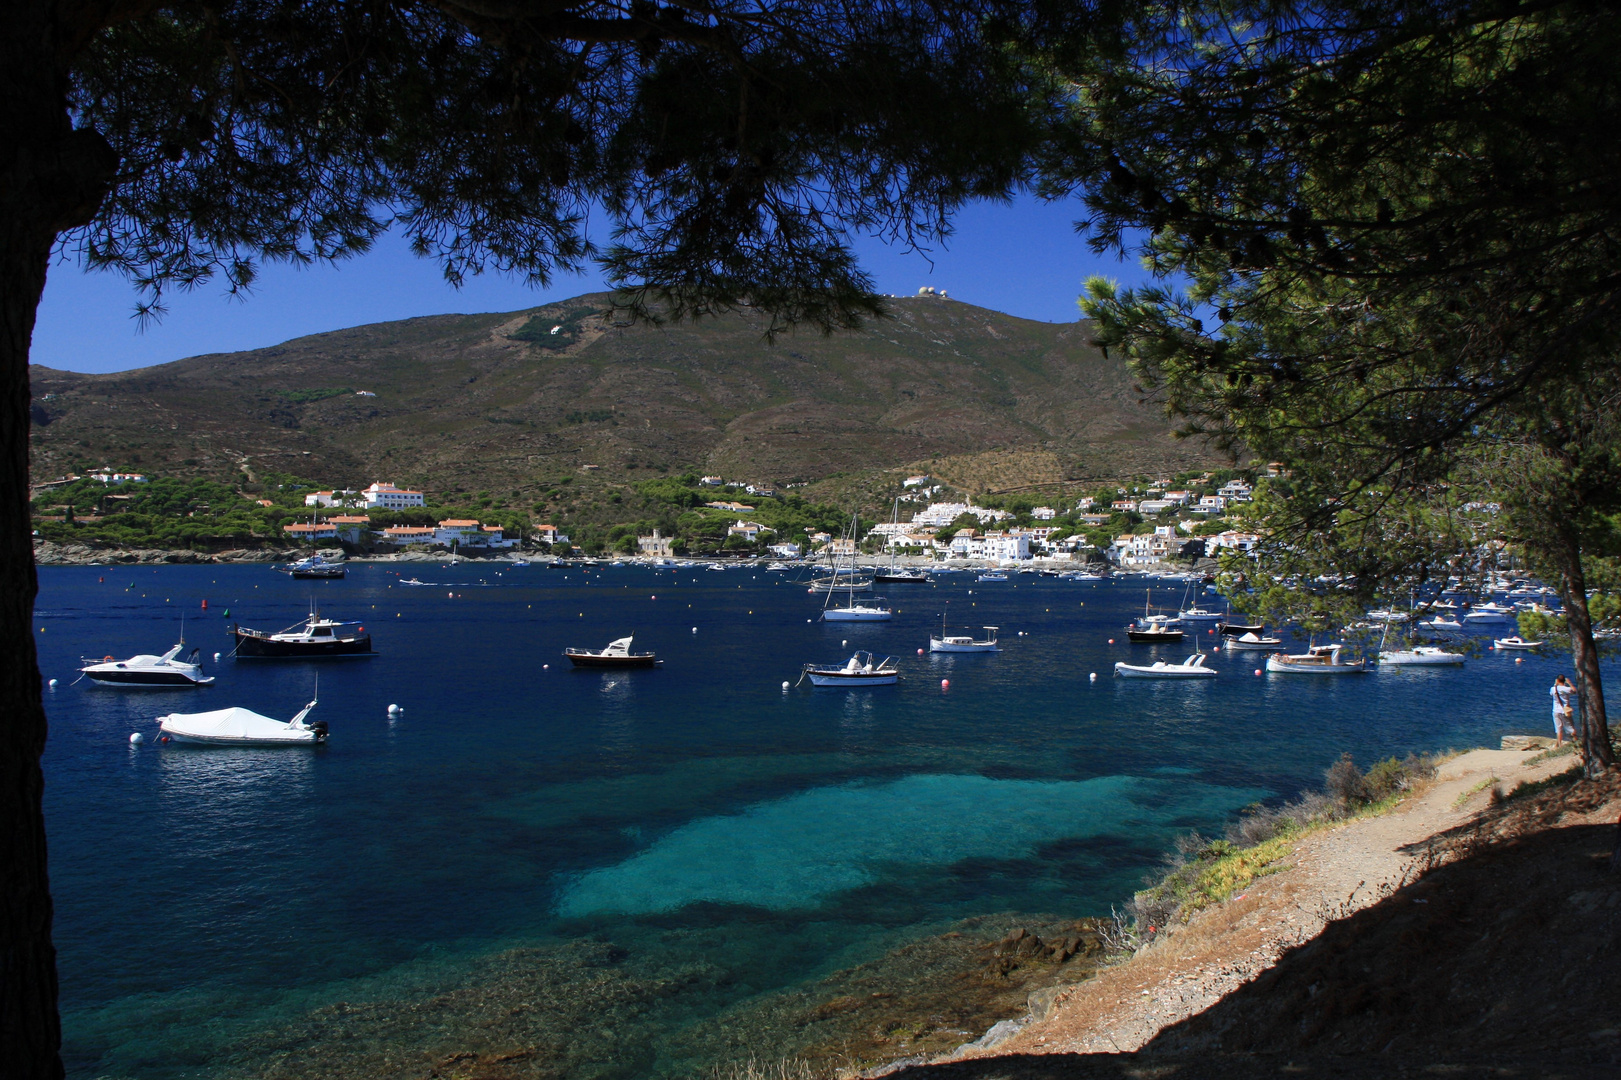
349 526
785 550
923 538
328 498
655 545
1154 506
1235 541
1235 491
1208 505
710 481
1044 513
119 477
915 481
389 497
946 513
549 534
303 530
748 530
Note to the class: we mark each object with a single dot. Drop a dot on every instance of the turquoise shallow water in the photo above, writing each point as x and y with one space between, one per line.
654 848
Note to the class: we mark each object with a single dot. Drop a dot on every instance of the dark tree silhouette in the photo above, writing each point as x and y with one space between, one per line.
736 145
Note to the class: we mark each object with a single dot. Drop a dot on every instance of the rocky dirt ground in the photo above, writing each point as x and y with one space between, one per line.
1467 930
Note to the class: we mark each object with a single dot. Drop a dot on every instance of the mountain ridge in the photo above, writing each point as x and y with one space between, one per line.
512 401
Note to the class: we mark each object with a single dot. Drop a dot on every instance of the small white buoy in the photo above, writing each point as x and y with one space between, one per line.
785 684
136 738
1517 660
1093 677
545 667
216 657
807 620
844 643
52 684
695 629
393 710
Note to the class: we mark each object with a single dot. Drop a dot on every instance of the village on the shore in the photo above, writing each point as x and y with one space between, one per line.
1133 524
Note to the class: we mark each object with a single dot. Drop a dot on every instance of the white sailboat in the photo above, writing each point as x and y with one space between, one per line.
869 609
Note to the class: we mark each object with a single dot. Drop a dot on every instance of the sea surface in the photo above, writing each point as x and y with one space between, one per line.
631 874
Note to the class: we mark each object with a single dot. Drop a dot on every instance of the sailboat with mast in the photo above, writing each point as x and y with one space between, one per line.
902 574
868 609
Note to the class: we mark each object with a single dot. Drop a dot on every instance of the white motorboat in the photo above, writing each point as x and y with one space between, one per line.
1421 656
869 609
1516 644
1197 614
993 575
1489 614
862 669
776 568
146 670
242 727
963 643
1251 640
1316 660
616 655
1442 626
1191 668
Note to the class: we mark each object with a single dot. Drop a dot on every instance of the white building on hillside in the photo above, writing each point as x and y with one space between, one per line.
946 513
389 497
329 498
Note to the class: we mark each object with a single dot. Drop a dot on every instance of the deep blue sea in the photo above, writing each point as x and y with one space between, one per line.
625 857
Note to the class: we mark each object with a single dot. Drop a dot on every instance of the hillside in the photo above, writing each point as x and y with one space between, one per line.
500 402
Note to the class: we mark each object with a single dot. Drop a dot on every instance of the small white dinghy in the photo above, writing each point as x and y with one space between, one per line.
1420 656
242 727
1516 644
1191 668
1251 640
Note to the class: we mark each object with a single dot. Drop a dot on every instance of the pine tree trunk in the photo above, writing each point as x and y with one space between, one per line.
1593 736
51 178
30 1034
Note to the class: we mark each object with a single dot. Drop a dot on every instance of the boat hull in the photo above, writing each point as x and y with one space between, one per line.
903 579
1283 667
856 678
305 739
1169 671
1437 660
939 646
316 575
856 615
255 647
1153 637
591 660
151 680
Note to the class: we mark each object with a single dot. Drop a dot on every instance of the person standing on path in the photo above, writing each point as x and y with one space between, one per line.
1564 710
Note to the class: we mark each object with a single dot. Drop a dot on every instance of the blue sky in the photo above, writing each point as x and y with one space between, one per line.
1024 259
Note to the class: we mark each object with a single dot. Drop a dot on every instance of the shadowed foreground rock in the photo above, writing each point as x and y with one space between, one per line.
1499 962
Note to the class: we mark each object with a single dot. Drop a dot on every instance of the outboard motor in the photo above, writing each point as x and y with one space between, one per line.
320 729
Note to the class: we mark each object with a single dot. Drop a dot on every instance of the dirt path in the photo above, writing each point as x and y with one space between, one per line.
1328 876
